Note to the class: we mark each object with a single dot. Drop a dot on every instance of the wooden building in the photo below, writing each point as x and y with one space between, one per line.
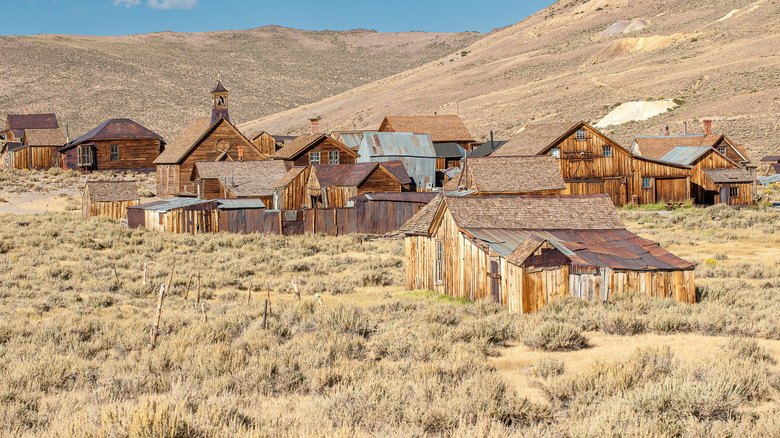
730 186
445 128
109 198
116 144
176 215
290 191
311 149
770 165
17 124
334 185
532 175
523 251
268 144
237 179
592 163
448 155
214 139
415 151
31 141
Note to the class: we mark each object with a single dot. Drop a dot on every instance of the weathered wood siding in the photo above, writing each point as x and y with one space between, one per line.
190 220
293 196
32 158
702 189
379 181
113 210
265 143
323 148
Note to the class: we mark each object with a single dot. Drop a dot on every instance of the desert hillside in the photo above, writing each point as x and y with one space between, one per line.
580 60
162 80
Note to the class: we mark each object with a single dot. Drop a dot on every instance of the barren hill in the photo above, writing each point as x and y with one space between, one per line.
162 80
580 60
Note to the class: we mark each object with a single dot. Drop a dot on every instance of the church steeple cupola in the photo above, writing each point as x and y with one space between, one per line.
220 108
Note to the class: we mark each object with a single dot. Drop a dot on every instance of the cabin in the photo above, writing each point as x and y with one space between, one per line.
703 158
591 163
206 139
9 156
415 151
333 185
109 198
445 128
312 149
237 179
17 124
290 190
116 144
532 175
525 251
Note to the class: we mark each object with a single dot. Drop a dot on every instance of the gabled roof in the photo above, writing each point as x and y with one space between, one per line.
733 175
396 167
397 144
115 129
13 146
112 191
686 155
443 128
243 178
536 137
487 148
449 150
289 176
21 122
420 223
351 139
511 175
190 137
656 146
347 175
299 145
44 137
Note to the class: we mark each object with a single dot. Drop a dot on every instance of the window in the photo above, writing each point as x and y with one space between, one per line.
114 152
607 151
314 158
582 134
722 150
439 261
85 155
555 152
646 183
333 157
734 192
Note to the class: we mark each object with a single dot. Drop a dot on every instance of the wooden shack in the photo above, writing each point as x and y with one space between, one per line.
109 198
592 163
729 186
702 159
265 143
234 179
176 215
312 149
448 155
444 128
290 190
523 251
214 139
531 175
334 185
116 144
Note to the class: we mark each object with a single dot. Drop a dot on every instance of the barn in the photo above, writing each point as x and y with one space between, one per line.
531 175
109 198
333 185
523 251
237 179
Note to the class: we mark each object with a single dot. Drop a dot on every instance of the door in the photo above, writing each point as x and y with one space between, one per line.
725 194
495 282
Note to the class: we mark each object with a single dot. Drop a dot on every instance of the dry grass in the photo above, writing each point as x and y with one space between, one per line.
374 359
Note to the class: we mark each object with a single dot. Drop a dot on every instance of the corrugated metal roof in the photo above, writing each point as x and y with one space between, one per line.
767 180
239 204
415 197
171 204
685 154
415 151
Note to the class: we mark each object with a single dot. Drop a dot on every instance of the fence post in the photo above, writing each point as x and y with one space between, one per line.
249 293
197 293
265 314
144 283
187 291
203 310
153 340
295 288
170 279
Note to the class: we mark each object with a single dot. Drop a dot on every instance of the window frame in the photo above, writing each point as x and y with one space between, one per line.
312 155
722 150
439 269
556 152
581 135
649 184
606 151
113 152
733 192
332 160
81 153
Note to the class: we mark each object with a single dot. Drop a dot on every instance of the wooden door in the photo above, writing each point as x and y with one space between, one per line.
495 282
725 194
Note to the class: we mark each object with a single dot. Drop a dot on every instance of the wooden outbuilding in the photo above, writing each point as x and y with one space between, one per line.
290 190
703 190
334 185
531 175
415 151
729 186
312 149
176 215
444 128
237 179
268 144
214 139
116 144
592 163
31 141
109 198
448 155
524 251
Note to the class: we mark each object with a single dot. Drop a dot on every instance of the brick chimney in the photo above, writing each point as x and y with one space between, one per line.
707 127
315 126
241 153
26 111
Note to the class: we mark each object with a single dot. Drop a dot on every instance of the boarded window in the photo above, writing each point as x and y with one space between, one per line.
314 158
646 183
85 155
555 152
114 152
333 157
582 134
439 261
291 215
607 151
734 192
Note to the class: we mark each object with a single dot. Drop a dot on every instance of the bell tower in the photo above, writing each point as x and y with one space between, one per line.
220 107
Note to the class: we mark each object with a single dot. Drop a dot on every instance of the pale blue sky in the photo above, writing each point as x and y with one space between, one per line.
120 17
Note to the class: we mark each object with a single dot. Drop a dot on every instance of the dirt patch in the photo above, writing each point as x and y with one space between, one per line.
634 112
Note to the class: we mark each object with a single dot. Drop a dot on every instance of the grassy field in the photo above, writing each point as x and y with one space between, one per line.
373 359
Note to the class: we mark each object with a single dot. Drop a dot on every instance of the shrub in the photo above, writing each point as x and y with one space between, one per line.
553 336
749 349
623 324
348 319
548 367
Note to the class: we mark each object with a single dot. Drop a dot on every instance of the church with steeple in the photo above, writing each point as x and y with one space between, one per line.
206 139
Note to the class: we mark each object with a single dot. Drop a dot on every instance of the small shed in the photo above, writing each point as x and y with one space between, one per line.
109 198
290 190
531 175
731 186
414 151
705 162
333 185
176 215
770 164
523 251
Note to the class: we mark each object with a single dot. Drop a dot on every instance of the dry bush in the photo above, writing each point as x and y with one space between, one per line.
548 367
552 336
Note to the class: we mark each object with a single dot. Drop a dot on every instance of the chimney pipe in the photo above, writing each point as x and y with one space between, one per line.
232 179
492 145
685 128
241 153
315 126
667 130
707 127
